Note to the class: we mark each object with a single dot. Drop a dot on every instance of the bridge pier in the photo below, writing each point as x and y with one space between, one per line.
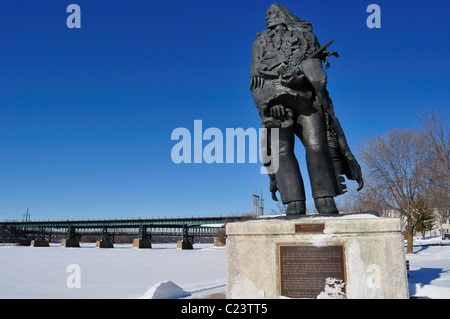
104 244
72 240
181 244
107 240
142 243
144 240
68 242
187 241
40 240
39 243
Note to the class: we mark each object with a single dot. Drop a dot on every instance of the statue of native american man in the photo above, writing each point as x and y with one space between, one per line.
288 85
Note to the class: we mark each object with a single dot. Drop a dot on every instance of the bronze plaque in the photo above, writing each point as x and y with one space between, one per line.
309 228
307 271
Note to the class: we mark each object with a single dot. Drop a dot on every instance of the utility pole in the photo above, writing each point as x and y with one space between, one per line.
256 205
25 218
261 206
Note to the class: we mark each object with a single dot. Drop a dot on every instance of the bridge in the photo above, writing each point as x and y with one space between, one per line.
40 232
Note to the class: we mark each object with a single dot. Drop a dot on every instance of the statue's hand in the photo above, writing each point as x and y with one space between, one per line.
273 187
360 184
277 110
355 169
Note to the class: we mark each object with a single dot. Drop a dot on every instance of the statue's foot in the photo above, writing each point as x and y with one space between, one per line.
326 205
296 208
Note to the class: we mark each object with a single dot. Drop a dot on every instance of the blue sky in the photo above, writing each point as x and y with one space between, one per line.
87 114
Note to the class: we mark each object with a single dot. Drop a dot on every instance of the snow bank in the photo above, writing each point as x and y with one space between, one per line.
165 290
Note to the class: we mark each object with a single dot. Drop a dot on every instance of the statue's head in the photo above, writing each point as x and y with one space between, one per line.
278 14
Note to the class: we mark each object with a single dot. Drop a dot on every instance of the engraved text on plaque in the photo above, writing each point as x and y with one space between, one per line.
306 271
309 228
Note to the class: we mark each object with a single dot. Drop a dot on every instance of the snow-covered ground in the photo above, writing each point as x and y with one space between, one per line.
121 272
429 274
164 271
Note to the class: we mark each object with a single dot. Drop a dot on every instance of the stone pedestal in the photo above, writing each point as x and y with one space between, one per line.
70 242
104 244
351 256
181 244
142 243
39 243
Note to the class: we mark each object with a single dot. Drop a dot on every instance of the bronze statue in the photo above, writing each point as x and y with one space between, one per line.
288 85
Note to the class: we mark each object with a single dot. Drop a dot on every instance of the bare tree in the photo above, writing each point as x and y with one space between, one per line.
279 208
364 201
436 134
393 166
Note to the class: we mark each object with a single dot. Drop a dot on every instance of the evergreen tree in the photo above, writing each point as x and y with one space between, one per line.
423 217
